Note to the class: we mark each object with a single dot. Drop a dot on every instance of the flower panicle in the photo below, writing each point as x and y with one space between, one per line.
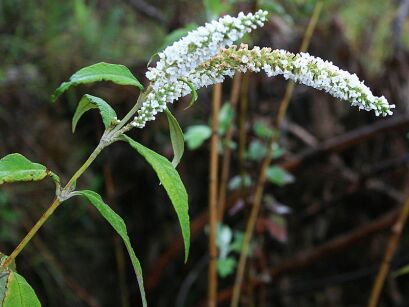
302 68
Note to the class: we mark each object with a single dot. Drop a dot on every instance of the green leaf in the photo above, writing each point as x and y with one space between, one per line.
119 225
257 150
262 130
238 182
402 271
173 185
153 56
279 176
193 92
276 151
15 167
223 240
225 117
176 137
4 275
115 73
237 242
196 135
89 102
15 291
226 266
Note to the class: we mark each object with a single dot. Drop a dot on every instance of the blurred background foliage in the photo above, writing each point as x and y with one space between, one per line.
76 260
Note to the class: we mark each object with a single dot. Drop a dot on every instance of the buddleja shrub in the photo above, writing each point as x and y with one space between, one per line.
202 58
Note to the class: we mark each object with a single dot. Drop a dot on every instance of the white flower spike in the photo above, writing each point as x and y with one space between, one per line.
208 62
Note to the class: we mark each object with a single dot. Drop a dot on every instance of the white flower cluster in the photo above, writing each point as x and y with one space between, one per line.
302 68
179 60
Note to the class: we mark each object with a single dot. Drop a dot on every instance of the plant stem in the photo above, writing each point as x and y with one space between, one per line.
265 164
85 166
249 229
54 205
213 176
132 111
397 229
104 142
242 123
224 177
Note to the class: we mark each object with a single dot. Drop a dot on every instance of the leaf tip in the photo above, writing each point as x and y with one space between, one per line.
186 255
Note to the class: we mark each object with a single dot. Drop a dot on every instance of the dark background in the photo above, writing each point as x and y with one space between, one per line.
341 188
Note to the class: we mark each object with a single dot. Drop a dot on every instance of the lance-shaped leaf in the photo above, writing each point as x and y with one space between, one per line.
173 185
89 102
176 137
115 73
15 167
193 92
15 291
119 225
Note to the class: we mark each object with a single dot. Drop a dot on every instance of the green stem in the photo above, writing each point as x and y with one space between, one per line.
84 167
32 232
57 201
132 111
106 140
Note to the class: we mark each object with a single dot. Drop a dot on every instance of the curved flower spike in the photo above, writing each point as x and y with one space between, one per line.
302 68
200 59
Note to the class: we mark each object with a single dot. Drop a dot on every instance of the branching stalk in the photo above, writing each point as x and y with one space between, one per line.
107 138
131 112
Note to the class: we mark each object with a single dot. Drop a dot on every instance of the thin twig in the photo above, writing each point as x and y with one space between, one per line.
213 178
266 162
242 121
334 145
390 251
346 140
224 177
305 258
